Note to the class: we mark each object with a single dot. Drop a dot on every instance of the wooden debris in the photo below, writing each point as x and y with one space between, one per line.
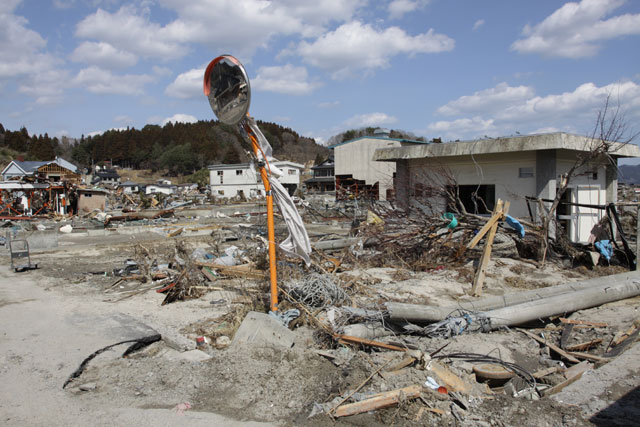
584 323
451 380
382 400
587 356
544 372
499 212
177 232
347 339
566 332
561 352
246 270
584 346
577 369
555 389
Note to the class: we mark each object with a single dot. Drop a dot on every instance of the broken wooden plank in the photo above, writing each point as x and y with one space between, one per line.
407 361
584 323
544 372
500 210
450 380
584 346
245 270
552 346
493 220
587 356
577 369
383 400
177 232
208 274
356 340
555 389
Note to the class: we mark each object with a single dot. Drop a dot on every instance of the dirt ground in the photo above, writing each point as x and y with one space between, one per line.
52 318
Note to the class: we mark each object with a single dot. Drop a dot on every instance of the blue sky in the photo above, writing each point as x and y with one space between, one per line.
455 69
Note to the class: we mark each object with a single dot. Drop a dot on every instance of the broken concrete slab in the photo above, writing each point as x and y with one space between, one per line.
615 384
187 356
263 330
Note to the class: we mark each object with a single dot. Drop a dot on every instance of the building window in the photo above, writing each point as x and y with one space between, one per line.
525 172
220 173
238 171
292 171
221 192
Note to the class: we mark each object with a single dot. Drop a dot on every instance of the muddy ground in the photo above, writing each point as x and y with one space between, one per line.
249 384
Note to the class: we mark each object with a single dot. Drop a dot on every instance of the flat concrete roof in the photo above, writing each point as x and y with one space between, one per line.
548 141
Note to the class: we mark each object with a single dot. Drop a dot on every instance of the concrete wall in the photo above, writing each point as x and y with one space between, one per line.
356 159
501 170
88 202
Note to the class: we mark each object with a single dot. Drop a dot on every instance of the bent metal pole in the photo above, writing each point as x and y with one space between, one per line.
273 278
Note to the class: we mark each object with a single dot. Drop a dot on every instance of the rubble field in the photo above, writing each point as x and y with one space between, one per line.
344 358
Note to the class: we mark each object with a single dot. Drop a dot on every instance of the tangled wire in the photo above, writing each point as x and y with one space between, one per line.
316 290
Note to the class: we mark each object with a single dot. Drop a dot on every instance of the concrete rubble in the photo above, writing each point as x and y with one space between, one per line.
382 328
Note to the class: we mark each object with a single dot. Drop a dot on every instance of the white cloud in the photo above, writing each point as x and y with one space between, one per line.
503 109
584 99
479 23
97 80
285 79
577 29
180 118
370 120
187 84
243 26
398 8
103 55
129 30
492 99
460 127
329 105
356 46
123 118
46 87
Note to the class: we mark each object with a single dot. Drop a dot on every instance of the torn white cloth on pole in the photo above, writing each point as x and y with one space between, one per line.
297 243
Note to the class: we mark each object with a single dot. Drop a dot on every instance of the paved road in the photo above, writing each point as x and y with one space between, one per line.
44 336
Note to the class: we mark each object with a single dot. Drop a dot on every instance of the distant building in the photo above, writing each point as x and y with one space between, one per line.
240 180
323 180
129 187
90 199
108 177
160 188
53 171
358 175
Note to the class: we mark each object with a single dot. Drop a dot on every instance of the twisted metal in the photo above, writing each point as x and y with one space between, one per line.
316 290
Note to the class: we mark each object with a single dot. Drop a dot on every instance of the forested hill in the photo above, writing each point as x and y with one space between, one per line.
180 148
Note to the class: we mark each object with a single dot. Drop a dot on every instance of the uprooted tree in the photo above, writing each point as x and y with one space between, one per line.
608 136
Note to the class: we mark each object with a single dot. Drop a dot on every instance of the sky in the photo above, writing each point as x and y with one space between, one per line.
450 69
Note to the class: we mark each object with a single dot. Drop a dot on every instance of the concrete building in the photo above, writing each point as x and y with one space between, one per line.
129 187
240 180
90 199
510 168
357 174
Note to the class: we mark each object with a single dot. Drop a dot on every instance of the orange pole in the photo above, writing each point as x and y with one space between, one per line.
270 227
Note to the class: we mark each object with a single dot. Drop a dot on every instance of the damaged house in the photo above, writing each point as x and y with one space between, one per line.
509 168
366 177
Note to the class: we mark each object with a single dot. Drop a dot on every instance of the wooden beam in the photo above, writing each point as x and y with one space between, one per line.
500 211
382 400
561 352
584 346
355 340
584 323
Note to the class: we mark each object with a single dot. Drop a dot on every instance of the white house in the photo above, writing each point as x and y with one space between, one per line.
356 172
160 188
241 180
129 187
513 169
21 169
